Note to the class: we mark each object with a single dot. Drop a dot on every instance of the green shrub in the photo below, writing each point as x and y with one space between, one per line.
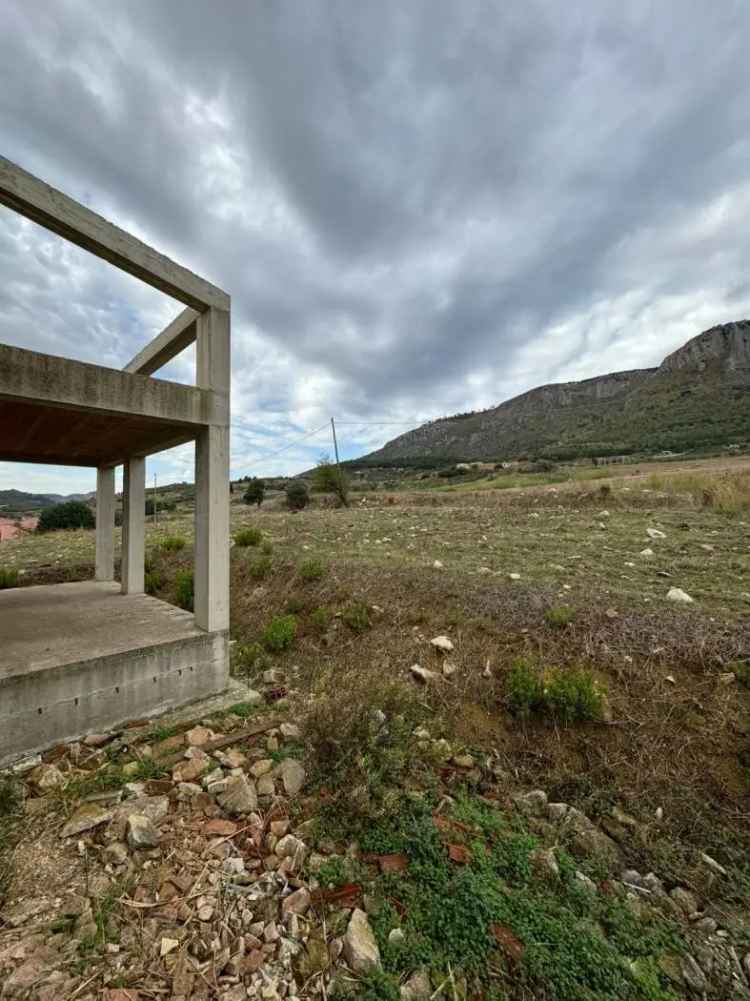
172 543
71 514
259 567
329 478
569 696
559 616
356 615
297 496
266 547
320 619
8 577
248 537
184 590
162 506
525 691
311 569
152 581
574 696
279 633
255 492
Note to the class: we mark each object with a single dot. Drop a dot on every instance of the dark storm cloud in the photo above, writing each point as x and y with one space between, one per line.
417 208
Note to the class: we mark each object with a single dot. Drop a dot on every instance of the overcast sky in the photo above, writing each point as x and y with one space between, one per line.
418 207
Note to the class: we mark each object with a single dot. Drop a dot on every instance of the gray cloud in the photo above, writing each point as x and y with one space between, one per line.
417 208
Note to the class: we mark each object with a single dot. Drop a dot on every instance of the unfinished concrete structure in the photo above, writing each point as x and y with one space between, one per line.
80 657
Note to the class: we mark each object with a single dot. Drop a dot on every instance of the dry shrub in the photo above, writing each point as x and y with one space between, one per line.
358 732
728 493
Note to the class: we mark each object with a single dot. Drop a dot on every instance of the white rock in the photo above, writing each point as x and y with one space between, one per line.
678 595
142 834
422 674
514 576
360 948
442 643
239 796
168 945
437 565
292 775
647 552
655 533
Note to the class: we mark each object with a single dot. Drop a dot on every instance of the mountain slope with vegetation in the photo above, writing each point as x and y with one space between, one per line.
699 397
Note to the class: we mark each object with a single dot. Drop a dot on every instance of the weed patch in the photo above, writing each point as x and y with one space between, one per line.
248 537
312 569
494 921
8 577
279 633
356 616
559 616
172 543
570 696
259 567
184 590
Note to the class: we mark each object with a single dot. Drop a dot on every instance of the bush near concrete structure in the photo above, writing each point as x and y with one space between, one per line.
184 592
8 577
71 514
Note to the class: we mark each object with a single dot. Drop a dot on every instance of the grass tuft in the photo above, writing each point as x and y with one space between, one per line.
570 696
279 633
248 537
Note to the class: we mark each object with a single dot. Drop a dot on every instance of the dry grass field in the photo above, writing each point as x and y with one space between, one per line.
571 669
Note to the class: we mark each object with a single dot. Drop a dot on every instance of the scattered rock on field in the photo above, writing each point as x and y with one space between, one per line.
422 674
199 736
239 795
442 643
292 775
655 533
142 834
85 818
360 948
679 596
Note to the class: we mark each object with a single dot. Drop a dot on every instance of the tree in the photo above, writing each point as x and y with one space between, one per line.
256 490
71 514
297 496
329 478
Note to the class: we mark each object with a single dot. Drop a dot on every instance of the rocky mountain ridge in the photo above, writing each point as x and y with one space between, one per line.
698 397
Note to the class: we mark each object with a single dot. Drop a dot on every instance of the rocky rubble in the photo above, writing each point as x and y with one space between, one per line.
201 882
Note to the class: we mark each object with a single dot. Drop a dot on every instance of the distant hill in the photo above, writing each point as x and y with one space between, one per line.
698 397
18 501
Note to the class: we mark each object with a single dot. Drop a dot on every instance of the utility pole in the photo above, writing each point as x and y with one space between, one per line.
156 518
340 476
335 444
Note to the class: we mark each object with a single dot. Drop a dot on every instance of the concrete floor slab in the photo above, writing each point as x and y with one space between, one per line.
76 658
51 625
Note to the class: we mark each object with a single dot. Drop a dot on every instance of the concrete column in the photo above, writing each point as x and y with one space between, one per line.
105 523
133 525
211 585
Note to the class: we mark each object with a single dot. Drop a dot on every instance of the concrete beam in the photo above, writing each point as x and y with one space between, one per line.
40 378
180 333
50 208
133 526
105 524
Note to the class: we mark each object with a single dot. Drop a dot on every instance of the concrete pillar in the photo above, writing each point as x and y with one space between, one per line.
133 525
105 523
211 584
